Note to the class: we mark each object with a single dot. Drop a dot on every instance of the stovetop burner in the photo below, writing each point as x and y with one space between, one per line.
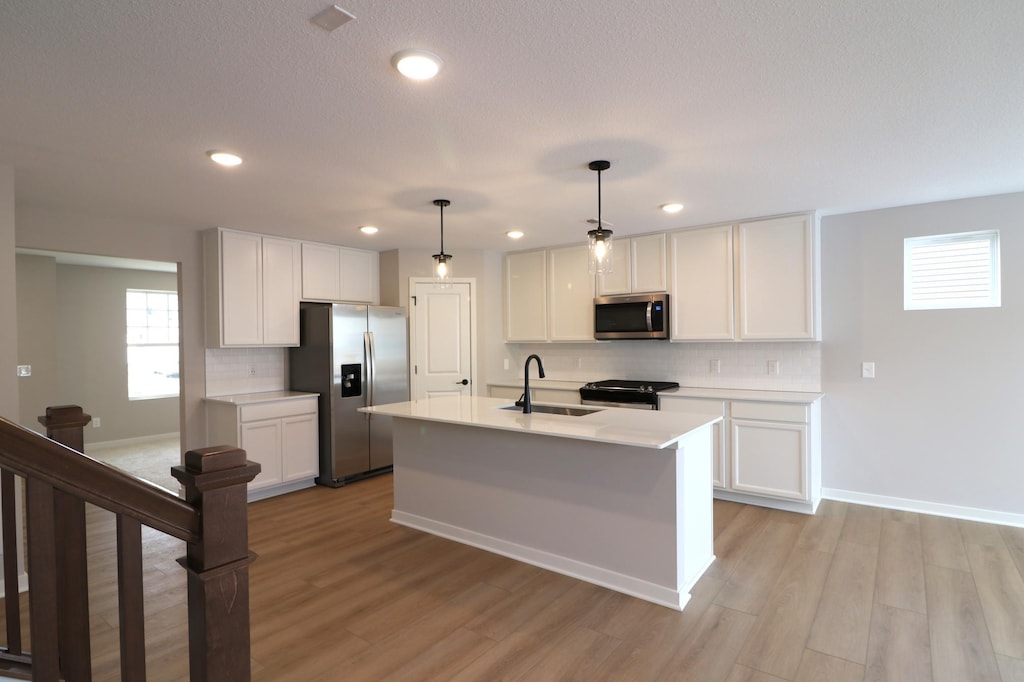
626 392
629 385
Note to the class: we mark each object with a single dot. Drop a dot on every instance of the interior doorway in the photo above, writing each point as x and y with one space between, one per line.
442 323
79 340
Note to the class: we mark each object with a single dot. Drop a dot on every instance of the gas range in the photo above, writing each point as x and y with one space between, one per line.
626 393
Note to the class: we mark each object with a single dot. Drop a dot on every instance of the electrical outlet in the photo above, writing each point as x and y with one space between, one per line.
579 363
773 368
506 363
252 370
24 370
96 422
715 366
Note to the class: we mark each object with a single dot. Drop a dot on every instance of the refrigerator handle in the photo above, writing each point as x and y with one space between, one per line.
371 368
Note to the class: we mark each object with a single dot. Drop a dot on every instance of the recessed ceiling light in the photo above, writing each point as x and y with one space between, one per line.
672 207
224 158
368 229
514 234
419 65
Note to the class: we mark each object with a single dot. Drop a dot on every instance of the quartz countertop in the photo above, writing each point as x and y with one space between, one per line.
262 397
637 428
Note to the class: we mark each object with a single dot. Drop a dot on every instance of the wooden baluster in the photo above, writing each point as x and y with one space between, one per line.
215 481
42 580
65 424
130 602
12 604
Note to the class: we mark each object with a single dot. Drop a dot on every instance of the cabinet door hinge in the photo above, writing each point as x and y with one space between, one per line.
415 369
414 300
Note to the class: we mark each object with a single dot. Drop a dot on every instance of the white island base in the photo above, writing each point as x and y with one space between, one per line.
630 518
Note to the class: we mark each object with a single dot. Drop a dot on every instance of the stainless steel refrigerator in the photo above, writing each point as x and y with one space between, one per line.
353 356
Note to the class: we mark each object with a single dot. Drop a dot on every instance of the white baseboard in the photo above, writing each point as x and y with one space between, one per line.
138 440
280 489
922 507
642 589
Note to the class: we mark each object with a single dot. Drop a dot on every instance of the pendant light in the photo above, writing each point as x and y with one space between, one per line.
600 239
442 260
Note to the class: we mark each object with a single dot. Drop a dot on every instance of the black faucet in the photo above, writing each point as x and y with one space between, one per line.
527 407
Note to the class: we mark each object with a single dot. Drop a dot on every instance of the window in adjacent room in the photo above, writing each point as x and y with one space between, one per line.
152 325
951 271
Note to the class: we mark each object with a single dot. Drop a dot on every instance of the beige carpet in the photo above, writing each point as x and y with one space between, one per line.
151 459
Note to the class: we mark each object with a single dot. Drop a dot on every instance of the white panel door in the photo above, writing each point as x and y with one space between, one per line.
701 285
526 296
775 279
261 441
442 353
281 282
769 458
648 272
241 289
321 272
570 295
299 445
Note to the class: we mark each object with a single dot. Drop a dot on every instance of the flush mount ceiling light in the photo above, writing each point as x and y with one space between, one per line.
419 65
600 239
224 158
368 229
672 207
442 260
514 234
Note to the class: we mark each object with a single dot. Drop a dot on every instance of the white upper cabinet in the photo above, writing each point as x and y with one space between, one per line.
252 289
336 273
638 266
776 278
526 296
702 284
570 295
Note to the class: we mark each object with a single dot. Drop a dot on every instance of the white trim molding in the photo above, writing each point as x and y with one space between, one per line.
923 507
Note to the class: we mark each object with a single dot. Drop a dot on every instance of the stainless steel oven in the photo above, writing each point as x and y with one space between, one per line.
641 395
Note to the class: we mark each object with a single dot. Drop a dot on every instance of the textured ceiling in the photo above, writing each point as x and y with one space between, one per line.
735 108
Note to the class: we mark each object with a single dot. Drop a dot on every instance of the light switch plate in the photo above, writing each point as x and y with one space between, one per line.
24 370
867 370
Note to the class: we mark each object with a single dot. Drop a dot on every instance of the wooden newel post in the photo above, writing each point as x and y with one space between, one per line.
66 424
215 481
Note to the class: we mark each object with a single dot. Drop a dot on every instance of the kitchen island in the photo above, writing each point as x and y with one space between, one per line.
616 497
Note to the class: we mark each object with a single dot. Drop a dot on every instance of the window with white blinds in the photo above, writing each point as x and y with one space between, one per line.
951 271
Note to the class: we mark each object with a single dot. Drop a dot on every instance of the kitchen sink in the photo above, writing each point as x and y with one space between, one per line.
555 409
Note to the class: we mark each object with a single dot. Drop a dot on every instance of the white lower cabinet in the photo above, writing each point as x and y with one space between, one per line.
765 453
280 435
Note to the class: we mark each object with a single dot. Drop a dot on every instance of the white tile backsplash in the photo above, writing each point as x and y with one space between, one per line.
742 365
245 370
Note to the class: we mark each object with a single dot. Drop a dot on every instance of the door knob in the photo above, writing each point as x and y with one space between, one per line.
464 382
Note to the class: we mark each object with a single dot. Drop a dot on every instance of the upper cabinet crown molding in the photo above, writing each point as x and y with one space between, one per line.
252 289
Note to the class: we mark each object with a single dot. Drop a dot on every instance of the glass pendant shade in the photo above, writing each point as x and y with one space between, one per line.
442 260
443 270
600 238
600 250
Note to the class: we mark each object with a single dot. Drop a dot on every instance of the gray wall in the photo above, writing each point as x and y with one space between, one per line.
940 422
37 337
91 364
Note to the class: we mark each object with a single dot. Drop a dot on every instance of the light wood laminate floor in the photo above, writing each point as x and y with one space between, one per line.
853 593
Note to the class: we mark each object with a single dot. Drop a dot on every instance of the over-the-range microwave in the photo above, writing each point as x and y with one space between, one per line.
631 316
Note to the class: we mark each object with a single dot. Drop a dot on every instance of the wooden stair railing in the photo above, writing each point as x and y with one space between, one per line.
59 480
